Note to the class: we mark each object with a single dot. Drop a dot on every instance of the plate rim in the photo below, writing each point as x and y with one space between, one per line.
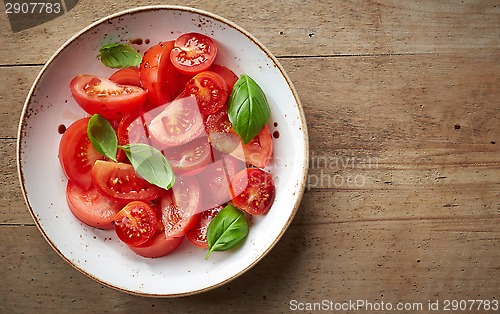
303 125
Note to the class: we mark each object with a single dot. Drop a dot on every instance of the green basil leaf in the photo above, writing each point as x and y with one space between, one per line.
119 56
248 108
150 164
226 230
102 136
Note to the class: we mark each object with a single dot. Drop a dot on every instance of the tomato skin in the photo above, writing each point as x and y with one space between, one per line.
190 158
198 235
158 75
193 53
259 150
127 76
120 183
176 124
90 207
102 96
229 76
210 90
136 223
181 206
253 191
77 155
158 246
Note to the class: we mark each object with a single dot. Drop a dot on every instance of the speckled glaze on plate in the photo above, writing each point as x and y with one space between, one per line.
99 254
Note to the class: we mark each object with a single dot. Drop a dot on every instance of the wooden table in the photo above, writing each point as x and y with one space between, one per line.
402 100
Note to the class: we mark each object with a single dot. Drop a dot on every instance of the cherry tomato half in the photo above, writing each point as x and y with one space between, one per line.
210 91
198 235
77 155
181 206
193 53
190 158
135 223
90 207
229 76
178 123
100 95
159 77
253 191
120 183
159 245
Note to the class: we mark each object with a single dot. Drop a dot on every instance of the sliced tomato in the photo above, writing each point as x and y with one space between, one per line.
229 76
77 155
133 129
127 76
90 207
210 91
159 77
178 123
190 158
120 183
215 180
198 235
181 206
100 95
257 152
193 53
135 223
158 246
253 191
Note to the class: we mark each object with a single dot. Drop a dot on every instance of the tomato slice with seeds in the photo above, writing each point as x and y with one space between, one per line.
181 206
100 95
198 235
190 158
133 129
127 76
119 182
77 155
135 223
90 207
193 53
178 123
210 91
253 191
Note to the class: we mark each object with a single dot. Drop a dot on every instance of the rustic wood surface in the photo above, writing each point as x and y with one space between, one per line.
402 100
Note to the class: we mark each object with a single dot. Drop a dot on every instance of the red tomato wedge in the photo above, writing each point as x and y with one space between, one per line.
193 53
120 183
178 123
229 76
257 152
77 155
90 207
133 129
100 95
181 206
253 191
135 223
210 91
198 235
190 158
159 77
158 246
127 76
215 180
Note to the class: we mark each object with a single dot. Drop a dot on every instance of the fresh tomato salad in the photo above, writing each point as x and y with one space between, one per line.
174 147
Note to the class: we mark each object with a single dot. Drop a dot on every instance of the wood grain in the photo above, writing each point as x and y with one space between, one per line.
403 201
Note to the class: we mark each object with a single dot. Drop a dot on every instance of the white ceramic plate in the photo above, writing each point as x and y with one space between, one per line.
99 254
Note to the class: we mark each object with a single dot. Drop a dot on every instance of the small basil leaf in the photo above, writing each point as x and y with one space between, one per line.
119 56
150 164
226 230
248 108
102 136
